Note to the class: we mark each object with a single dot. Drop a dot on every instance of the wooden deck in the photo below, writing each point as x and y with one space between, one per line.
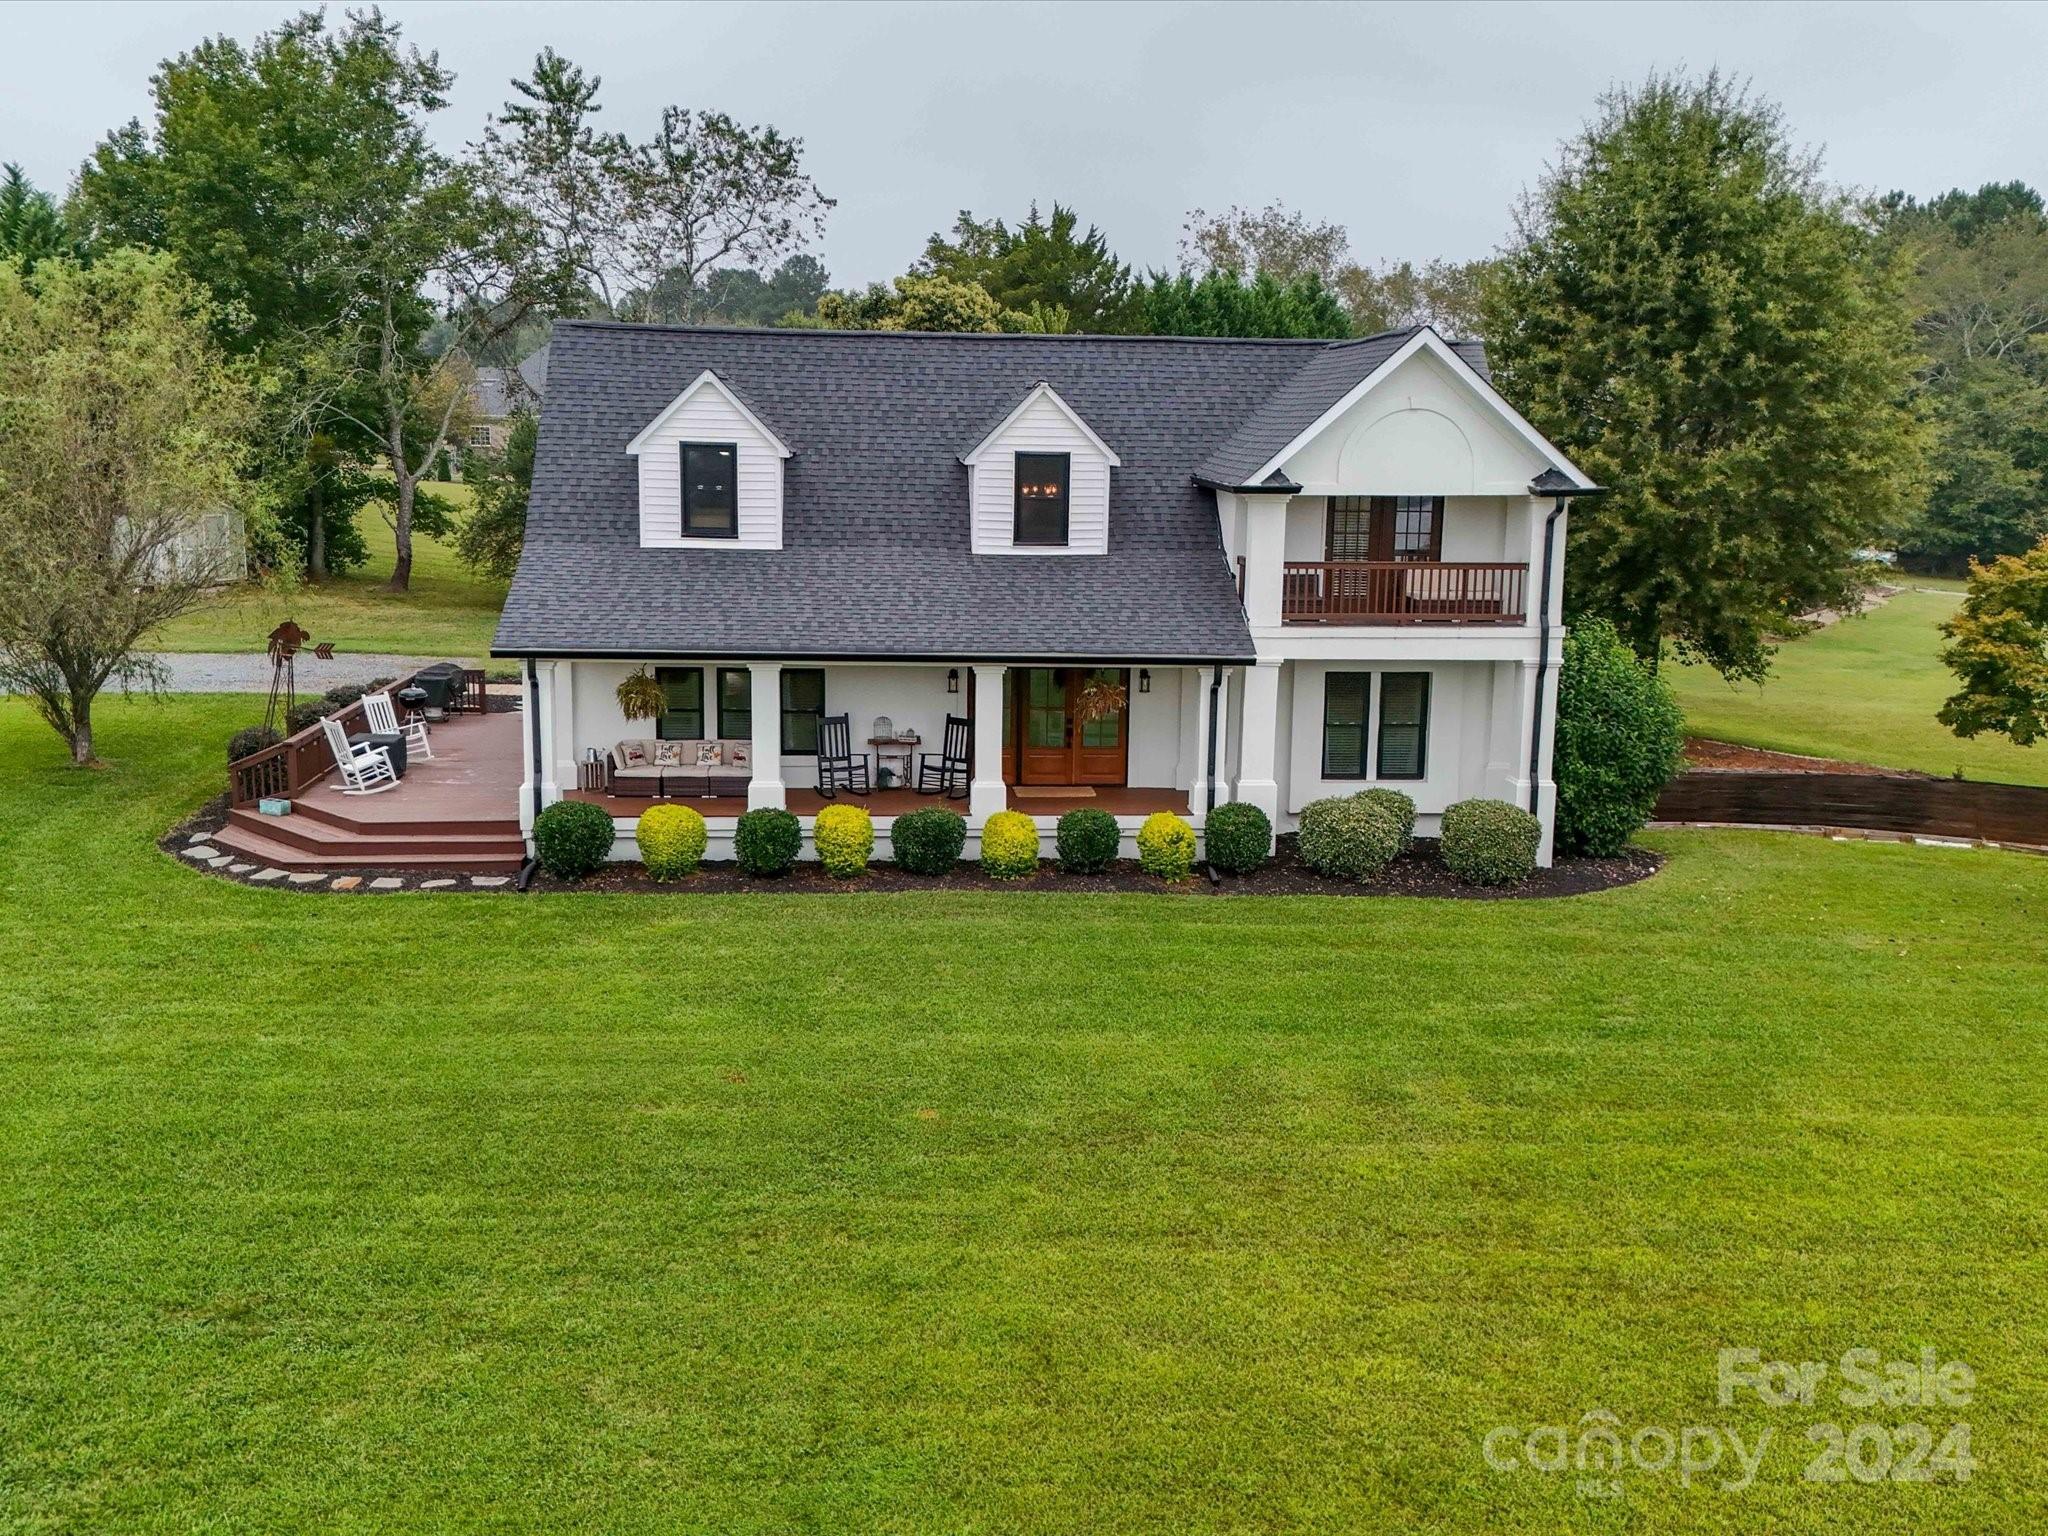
1116 799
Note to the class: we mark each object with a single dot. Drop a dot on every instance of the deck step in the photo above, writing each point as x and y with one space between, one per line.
504 858
335 810
324 837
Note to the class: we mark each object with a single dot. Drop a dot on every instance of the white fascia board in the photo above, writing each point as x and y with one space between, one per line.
710 380
1427 340
1043 391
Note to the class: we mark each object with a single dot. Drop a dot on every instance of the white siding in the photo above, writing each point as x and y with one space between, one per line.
992 485
707 416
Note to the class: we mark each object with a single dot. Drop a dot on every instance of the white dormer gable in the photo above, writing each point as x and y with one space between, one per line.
1423 423
708 412
1041 423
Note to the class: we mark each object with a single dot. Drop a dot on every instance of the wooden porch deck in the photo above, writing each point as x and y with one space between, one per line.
1032 800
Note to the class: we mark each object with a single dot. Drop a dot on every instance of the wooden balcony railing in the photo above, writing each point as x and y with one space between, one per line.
1403 592
304 757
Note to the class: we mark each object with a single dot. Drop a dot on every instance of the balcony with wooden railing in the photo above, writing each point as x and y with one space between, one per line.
1403 592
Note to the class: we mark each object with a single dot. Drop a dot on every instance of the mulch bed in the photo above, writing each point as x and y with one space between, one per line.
1417 873
1703 755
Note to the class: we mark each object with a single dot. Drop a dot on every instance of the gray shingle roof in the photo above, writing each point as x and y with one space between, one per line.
876 558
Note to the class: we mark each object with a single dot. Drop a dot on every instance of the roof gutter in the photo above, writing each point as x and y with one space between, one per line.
938 658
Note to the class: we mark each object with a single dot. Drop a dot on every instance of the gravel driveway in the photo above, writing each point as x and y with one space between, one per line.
249 672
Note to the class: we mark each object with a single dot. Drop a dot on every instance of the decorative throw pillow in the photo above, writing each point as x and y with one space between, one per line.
632 755
740 754
707 754
668 754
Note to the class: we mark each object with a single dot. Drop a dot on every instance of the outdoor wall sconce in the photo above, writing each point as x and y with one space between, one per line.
953 680
1144 679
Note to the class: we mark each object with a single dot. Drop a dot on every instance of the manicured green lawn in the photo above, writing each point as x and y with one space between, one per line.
450 610
1865 690
988 1212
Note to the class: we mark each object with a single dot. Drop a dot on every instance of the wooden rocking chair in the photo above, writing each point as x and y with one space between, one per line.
838 766
948 771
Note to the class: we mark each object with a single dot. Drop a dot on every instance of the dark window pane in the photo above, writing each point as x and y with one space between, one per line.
735 703
711 490
1045 718
803 704
1415 527
1404 724
1042 498
682 704
1109 730
1345 697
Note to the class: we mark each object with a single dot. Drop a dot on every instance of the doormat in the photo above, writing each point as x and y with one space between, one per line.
1055 792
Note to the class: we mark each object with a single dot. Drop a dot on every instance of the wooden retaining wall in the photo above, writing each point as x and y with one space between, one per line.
2005 813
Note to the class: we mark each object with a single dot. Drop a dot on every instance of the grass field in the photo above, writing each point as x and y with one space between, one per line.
1865 690
450 610
1004 1212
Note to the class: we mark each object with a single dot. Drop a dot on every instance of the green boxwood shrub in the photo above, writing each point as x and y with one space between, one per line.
1396 805
304 713
1619 737
1239 836
1166 847
929 841
1347 838
1490 842
671 840
766 842
1009 846
1086 840
573 838
845 835
251 739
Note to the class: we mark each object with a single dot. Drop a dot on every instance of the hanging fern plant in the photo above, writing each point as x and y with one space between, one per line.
640 696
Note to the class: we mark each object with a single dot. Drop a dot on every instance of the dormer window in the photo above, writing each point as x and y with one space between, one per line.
711 490
1042 480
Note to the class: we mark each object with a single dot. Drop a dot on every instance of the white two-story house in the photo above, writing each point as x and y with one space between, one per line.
1143 573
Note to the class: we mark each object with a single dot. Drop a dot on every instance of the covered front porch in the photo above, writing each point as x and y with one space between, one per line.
733 735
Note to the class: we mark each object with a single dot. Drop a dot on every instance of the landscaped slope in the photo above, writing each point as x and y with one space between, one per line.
1864 690
997 1212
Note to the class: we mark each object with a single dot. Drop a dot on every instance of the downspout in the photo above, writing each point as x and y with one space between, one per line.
1215 690
1542 656
533 700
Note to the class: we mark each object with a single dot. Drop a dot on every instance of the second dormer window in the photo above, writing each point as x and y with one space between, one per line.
711 491
1042 497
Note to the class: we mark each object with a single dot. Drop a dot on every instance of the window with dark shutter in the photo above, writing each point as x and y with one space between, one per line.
711 490
1385 528
1404 725
803 705
1042 498
1346 699
735 704
682 704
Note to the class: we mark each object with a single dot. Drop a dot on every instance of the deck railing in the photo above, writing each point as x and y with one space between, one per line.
1403 592
304 757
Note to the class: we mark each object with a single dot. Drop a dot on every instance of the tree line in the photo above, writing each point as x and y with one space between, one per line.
1772 376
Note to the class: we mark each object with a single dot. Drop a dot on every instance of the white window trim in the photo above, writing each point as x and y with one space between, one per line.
707 380
1041 391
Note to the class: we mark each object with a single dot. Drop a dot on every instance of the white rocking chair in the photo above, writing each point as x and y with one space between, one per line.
384 721
365 770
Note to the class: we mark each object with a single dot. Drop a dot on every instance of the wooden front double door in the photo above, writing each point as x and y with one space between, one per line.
1044 739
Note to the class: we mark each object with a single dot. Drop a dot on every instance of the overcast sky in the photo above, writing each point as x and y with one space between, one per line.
1413 126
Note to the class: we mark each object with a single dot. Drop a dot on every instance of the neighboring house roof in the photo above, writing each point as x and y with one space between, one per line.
876 557
1297 405
491 394
533 373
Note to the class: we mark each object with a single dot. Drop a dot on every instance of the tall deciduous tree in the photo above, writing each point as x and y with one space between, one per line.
120 424
1044 266
1708 330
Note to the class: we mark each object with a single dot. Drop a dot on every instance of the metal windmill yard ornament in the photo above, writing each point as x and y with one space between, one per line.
286 641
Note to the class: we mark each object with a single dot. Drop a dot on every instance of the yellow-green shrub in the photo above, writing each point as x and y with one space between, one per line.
1166 846
1009 846
845 835
671 840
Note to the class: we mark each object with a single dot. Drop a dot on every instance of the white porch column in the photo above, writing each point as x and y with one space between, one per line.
531 691
986 793
765 788
554 679
1524 723
1265 551
1259 748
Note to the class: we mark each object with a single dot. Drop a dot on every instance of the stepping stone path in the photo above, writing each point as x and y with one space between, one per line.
200 851
305 878
268 874
387 883
489 879
226 858
240 869
348 882
435 885
199 837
